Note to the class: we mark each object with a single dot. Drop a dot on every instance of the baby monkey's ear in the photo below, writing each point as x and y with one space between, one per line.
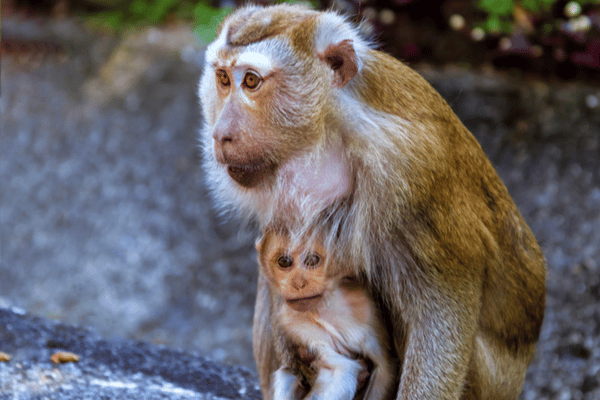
262 246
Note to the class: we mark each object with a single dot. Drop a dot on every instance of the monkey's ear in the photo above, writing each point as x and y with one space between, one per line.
341 58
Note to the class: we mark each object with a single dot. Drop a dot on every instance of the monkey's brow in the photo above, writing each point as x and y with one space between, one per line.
257 60
262 66
222 63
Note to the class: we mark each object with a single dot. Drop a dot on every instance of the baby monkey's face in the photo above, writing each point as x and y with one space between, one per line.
298 274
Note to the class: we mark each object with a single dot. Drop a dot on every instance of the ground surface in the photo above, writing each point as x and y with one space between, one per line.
106 369
105 221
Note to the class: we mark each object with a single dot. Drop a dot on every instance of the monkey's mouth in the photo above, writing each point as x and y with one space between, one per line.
250 174
305 303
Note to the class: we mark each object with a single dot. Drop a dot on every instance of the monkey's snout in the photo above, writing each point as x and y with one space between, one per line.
223 136
304 304
248 175
228 151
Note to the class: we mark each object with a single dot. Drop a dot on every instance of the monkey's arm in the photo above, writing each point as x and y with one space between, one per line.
263 339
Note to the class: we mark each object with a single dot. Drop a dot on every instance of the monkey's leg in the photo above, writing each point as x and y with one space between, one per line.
441 329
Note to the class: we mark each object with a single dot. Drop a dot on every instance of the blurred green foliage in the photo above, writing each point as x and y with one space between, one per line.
500 12
135 13
315 4
205 18
121 15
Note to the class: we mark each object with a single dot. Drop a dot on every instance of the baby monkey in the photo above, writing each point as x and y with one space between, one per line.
331 336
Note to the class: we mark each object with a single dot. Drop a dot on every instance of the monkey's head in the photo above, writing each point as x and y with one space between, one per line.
298 273
267 95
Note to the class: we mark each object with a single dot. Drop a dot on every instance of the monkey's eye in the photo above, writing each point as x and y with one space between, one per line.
285 262
312 260
251 80
223 78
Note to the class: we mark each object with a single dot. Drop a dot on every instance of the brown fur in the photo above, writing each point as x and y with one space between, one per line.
420 211
318 312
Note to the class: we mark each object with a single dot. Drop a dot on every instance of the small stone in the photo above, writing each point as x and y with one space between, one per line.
61 357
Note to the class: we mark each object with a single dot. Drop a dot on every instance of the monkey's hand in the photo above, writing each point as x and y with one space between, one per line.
337 377
287 386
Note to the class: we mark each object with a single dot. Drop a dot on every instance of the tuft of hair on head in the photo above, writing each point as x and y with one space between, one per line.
252 23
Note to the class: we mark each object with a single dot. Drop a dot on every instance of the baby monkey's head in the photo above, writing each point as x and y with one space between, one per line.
298 272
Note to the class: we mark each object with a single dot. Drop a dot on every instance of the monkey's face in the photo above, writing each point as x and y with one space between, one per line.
245 139
298 275
263 97
257 115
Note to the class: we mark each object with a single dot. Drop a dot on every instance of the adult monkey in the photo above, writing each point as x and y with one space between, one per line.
309 128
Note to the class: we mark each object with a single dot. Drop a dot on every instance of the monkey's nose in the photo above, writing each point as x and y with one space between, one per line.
223 136
299 282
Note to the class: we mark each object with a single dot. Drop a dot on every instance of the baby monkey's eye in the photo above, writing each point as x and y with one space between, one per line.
251 80
223 78
312 259
285 262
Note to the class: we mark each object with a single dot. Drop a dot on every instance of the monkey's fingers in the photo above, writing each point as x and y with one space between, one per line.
363 375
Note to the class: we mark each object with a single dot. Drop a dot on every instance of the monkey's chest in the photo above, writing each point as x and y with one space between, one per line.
343 334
